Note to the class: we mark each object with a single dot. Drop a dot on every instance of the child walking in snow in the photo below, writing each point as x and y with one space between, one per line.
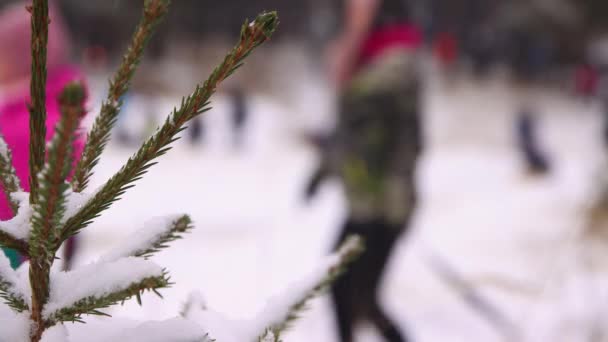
15 64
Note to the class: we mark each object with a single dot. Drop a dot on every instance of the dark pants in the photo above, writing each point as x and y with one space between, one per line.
528 143
355 294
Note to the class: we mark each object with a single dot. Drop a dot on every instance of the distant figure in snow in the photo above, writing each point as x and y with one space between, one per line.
15 63
374 149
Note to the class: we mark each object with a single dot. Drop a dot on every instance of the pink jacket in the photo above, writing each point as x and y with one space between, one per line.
14 125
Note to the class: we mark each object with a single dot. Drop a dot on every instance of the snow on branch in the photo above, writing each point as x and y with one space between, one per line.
14 326
15 232
9 286
100 285
8 176
284 309
176 329
155 235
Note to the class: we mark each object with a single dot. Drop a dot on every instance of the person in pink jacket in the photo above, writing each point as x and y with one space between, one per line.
15 64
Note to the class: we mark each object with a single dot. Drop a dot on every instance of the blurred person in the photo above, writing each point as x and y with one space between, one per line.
15 64
374 149
535 41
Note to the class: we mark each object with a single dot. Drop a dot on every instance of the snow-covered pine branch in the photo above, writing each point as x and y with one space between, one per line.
10 291
154 236
8 176
176 329
282 310
160 143
100 285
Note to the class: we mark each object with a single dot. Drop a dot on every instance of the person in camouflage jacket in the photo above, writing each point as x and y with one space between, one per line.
374 149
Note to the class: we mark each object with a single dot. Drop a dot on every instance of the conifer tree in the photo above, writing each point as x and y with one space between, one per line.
42 300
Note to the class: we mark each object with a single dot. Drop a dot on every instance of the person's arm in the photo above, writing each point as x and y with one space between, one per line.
359 16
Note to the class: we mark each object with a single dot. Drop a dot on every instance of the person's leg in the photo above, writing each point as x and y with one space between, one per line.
69 252
195 131
343 294
239 116
385 326
345 317
536 161
386 237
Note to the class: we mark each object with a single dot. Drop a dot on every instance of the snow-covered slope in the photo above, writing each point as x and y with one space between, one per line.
512 237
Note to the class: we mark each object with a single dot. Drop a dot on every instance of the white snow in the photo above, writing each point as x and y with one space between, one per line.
97 280
19 226
75 201
7 273
143 238
110 329
57 333
14 327
222 328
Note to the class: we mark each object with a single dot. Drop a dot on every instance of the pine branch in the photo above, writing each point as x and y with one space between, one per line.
92 305
155 236
269 336
350 250
252 35
8 176
153 13
40 35
49 207
9 241
8 293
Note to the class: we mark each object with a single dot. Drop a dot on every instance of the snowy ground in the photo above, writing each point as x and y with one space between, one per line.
513 237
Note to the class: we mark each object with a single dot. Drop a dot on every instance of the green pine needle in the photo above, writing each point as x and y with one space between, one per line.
10 298
180 226
92 305
252 35
97 139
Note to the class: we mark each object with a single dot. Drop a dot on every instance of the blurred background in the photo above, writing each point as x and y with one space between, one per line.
509 237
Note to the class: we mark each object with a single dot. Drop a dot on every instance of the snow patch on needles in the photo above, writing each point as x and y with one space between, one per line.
74 202
19 226
97 280
156 232
177 329
281 309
